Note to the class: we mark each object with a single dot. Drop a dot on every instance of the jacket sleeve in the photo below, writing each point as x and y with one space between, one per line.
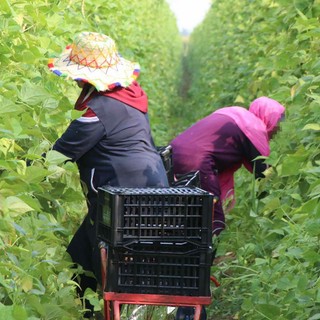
80 137
258 166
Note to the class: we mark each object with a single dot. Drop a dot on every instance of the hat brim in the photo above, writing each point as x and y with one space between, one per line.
122 74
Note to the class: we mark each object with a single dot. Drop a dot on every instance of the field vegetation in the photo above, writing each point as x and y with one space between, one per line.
42 205
268 257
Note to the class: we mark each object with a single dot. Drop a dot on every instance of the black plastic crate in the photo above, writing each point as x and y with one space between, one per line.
190 179
161 268
128 215
166 156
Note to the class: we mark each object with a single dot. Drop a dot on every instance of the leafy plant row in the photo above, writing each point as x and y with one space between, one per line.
269 254
42 205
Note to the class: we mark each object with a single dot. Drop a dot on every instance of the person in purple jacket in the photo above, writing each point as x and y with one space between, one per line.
111 142
222 142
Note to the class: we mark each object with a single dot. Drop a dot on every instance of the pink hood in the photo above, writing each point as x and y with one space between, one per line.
269 111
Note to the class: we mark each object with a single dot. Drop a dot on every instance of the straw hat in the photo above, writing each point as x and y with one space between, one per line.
93 58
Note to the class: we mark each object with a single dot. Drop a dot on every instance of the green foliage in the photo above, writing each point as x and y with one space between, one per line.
42 205
253 48
269 254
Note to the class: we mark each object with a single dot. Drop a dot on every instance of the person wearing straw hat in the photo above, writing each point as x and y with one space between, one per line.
111 142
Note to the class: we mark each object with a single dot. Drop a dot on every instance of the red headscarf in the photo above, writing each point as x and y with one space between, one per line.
134 96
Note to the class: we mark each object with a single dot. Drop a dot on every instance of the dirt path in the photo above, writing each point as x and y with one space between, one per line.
186 75
185 81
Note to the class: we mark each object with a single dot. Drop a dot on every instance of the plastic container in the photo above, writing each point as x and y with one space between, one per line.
190 179
166 156
130 215
159 268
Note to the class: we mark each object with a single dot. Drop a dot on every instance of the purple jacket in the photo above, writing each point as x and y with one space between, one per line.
222 142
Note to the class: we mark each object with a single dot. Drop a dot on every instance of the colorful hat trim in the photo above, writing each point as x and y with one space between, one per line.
93 58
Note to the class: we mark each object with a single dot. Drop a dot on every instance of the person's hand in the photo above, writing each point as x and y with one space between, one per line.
29 162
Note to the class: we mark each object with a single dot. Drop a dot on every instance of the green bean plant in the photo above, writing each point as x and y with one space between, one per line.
268 257
42 205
